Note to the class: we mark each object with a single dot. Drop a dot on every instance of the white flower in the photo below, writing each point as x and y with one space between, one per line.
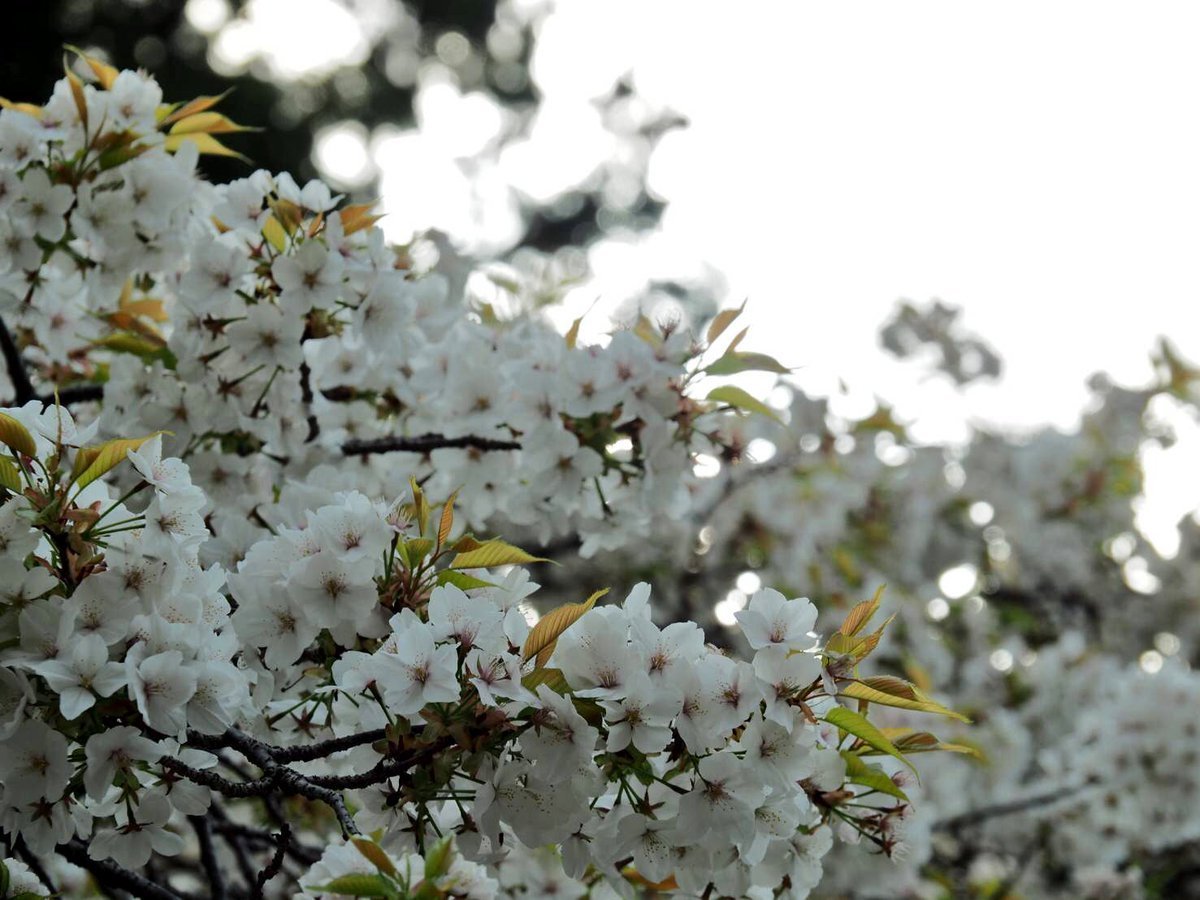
167 475
34 764
415 671
141 830
42 205
770 618
115 750
80 673
161 685
312 276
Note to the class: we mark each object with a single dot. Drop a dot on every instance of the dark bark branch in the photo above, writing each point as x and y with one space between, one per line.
304 753
255 788
384 770
17 372
275 866
424 443
109 875
208 857
262 755
976 816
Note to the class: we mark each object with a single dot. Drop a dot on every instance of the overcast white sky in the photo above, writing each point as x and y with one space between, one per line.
1035 163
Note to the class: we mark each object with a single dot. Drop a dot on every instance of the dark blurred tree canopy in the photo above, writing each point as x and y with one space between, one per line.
485 54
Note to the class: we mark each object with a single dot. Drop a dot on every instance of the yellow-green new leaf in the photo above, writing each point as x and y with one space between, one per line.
572 335
542 637
16 435
886 690
208 123
853 723
375 854
462 580
552 678
859 772
10 478
740 399
206 144
493 553
92 462
359 885
733 363
200 104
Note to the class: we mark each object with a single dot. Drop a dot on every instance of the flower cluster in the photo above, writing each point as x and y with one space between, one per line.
245 631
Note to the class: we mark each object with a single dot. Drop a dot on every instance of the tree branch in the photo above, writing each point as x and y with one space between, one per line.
109 875
208 857
304 753
17 372
424 443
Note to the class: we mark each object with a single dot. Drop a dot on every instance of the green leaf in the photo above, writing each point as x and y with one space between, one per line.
461 580
137 345
438 859
858 772
740 399
92 462
16 435
359 885
735 363
909 741
853 723
889 691
4 879
417 549
543 636
10 478
493 553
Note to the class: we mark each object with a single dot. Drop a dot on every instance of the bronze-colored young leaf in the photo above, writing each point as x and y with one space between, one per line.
723 320
208 123
205 143
447 520
860 616
887 690
173 114
542 637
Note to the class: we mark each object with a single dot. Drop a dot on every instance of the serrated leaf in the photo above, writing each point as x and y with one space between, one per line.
359 885
16 435
740 399
206 143
858 772
92 462
859 646
146 346
438 859
860 616
896 692
735 363
552 678
493 553
447 520
723 320
10 478
543 636
853 723
909 741
375 854
462 580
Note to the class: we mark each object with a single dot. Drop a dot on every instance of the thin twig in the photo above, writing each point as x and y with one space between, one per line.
17 373
208 857
110 875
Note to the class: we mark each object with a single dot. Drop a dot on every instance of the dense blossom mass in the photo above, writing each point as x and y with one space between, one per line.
251 644
257 639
